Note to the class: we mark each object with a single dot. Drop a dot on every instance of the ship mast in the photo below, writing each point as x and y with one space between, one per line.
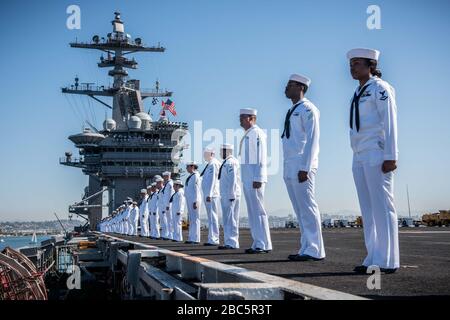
127 94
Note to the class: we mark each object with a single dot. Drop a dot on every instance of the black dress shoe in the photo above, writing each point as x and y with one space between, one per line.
303 257
256 251
188 242
227 247
388 271
209 244
360 269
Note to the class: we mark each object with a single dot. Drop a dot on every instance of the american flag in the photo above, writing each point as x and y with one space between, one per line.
169 105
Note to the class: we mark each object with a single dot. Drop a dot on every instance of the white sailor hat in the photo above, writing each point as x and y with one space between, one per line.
178 182
209 149
159 179
227 146
166 173
363 53
299 78
151 185
134 202
248 111
192 163
143 190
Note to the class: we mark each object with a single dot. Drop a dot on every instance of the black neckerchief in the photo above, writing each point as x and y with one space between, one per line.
187 180
203 172
220 170
355 106
287 121
171 198
165 184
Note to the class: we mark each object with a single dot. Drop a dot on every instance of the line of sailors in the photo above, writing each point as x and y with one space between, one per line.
164 203
373 137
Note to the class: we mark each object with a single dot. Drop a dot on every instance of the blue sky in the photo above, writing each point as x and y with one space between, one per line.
221 56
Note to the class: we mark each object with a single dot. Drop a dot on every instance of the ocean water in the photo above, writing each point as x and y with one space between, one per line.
18 242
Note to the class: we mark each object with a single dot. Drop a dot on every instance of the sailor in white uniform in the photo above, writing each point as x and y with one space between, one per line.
120 219
300 140
126 216
230 197
143 214
373 137
178 203
253 158
154 208
193 196
165 213
134 219
211 195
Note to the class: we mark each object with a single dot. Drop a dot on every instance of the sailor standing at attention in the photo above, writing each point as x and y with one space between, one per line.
155 207
178 203
143 214
253 157
126 216
373 138
121 219
230 197
211 195
167 191
134 218
161 211
300 140
194 202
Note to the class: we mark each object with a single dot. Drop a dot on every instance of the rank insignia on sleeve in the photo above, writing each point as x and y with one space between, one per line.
383 95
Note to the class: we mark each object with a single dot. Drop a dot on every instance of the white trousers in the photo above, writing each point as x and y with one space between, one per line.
257 216
144 225
212 211
164 224
194 221
303 200
376 199
169 216
133 227
126 226
130 224
154 225
178 230
230 220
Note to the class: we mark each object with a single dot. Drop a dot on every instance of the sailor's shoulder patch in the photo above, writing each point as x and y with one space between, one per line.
382 90
309 112
383 95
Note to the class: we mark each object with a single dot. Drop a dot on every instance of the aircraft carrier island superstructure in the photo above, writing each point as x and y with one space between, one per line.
131 148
